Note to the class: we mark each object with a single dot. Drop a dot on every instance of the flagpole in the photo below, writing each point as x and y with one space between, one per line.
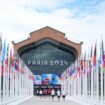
68 86
0 78
101 82
97 79
4 83
92 84
0 61
104 86
103 68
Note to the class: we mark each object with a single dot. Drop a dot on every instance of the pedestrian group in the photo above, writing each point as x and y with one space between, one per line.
51 93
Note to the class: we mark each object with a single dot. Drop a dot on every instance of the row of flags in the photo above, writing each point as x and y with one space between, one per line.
87 63
10 61
82 65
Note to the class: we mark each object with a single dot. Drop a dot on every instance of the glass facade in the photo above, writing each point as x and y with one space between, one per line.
47 57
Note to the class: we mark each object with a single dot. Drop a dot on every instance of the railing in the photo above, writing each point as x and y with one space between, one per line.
16 80
84 81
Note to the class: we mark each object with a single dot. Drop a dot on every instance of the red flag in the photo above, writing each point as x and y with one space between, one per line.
21 70
79 67
69 70
11 59
104 61
6 61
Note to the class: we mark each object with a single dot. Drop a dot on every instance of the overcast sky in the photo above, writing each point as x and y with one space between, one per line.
80 20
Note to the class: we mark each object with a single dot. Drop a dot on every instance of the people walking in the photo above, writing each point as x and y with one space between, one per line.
49 92
40 93
37 92
52 94
45 93
58 95
63 95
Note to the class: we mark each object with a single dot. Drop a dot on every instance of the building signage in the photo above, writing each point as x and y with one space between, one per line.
47 57
46 62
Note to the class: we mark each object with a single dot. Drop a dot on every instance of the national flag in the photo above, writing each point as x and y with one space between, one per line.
76 68
79 68
4 51
2 68
33 77
11 57
75 71
20 69
11 61
22 66
100 61
104 61
94 57
0 44
81 63
103 56
91 52
84 67
102 49
90 61
72 70
16 64
6 61
3 55
88 66
68 71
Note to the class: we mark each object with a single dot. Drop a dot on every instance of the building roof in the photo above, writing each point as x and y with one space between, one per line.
47 32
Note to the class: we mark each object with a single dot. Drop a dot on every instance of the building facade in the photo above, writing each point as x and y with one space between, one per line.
48 51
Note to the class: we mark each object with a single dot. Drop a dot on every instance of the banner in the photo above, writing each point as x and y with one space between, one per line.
46 79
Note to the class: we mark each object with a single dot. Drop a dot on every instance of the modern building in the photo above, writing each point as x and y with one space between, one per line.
47 51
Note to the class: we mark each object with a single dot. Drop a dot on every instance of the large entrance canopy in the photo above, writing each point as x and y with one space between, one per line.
47 51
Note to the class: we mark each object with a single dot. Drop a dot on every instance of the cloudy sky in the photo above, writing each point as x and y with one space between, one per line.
80 20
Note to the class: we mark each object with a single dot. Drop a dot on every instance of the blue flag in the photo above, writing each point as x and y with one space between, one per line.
4 51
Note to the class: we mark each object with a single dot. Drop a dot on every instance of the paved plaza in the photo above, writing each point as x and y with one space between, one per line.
47 101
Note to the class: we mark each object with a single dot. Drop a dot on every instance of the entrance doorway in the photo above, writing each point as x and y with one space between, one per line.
42 87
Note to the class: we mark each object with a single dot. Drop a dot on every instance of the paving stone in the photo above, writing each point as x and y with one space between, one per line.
47 101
